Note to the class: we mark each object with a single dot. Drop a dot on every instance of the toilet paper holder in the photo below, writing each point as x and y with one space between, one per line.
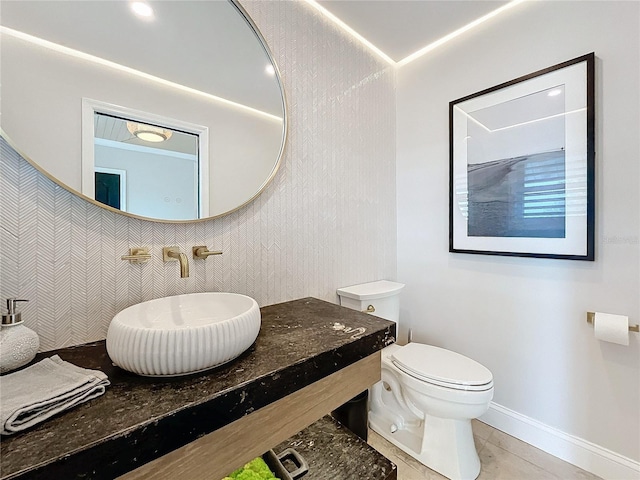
591 317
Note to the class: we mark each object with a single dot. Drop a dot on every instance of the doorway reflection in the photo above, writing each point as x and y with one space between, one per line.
149 170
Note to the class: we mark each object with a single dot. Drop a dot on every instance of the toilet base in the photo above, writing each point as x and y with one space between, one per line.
449 449
442 444
408 439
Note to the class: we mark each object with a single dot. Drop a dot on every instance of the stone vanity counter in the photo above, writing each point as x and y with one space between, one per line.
140 419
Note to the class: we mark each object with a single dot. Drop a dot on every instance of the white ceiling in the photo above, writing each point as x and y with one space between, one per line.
402 27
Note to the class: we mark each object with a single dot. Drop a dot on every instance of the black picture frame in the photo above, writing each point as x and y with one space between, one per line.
522 166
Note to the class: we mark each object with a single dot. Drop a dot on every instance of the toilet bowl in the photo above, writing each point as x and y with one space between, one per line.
427 395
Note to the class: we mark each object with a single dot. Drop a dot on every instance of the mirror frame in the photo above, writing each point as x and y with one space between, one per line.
274 171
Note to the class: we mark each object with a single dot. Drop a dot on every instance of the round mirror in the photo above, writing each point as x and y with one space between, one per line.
167 110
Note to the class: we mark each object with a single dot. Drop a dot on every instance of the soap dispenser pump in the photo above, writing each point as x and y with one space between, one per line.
18 344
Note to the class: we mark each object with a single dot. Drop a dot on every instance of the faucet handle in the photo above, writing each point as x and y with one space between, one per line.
137 255
201 251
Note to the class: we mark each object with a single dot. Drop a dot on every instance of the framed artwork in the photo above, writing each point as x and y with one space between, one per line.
522 166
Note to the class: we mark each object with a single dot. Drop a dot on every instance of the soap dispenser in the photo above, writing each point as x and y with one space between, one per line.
18 344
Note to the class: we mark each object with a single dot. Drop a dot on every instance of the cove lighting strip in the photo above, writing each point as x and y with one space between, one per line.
350 31
132 71
423 50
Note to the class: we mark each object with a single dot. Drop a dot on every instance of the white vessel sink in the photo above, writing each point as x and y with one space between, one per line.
183 334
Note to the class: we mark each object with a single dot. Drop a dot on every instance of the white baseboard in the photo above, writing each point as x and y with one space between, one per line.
586 455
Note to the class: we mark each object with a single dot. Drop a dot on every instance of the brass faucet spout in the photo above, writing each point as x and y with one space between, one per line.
184 265
174 253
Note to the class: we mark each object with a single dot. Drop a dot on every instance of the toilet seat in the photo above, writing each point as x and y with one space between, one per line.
442 367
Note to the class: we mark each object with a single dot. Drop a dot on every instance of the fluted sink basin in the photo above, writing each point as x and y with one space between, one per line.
183 334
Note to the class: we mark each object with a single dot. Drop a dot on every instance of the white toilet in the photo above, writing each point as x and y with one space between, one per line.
428 395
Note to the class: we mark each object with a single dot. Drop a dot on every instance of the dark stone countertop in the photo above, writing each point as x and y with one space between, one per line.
334 453
139 419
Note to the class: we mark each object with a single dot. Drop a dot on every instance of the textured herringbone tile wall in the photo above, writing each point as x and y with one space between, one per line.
327 220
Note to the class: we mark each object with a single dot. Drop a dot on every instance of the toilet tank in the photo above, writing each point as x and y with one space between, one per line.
381 298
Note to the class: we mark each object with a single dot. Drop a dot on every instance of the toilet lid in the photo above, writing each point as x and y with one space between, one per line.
442 367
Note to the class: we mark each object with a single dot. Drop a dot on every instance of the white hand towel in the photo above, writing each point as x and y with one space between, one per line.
32 395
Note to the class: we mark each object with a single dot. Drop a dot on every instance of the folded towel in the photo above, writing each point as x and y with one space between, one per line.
32 395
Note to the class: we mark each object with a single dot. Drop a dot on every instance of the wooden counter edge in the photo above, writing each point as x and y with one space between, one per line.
219 453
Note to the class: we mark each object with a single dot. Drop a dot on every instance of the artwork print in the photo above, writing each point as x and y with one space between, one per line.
522 166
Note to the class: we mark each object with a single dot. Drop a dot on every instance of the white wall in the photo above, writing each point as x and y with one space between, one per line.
525 319
158 184
327 220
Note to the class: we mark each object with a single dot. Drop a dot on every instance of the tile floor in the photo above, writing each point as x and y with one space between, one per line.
503 457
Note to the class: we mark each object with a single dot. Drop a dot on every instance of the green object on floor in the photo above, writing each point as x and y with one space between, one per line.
256 469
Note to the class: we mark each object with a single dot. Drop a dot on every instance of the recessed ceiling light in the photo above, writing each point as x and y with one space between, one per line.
554 92
270 70
142 9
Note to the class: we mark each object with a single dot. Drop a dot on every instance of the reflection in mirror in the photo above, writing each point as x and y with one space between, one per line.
199 62
165 162
148 170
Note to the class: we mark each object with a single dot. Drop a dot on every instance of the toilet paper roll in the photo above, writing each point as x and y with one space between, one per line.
612 328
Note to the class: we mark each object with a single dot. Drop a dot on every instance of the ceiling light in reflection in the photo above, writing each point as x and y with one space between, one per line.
142 9
554 92
270 70
149 133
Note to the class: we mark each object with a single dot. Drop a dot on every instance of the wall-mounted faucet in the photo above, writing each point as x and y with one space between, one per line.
170 254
